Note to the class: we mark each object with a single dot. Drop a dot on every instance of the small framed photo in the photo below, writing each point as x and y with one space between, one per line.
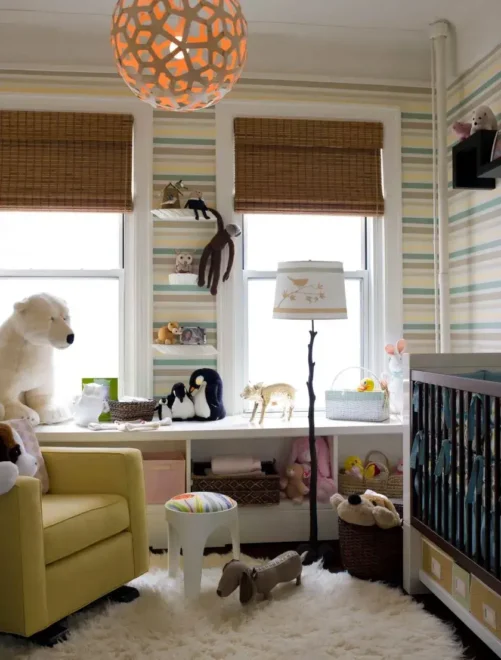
496 147
111 385
193 336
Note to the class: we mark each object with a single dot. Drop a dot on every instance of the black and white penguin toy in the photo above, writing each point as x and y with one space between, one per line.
207 389
180 403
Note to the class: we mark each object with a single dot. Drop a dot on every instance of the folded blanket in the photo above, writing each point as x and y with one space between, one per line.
234 465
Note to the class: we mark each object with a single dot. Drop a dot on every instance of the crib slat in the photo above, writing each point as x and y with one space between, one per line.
488 481
440 527
426 467
462 476
478 498
420 467
469 507
454 459
433 457
497 476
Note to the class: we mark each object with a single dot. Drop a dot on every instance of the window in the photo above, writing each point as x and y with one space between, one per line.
77 257
276 350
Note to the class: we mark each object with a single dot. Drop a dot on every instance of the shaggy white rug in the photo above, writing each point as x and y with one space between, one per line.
329 616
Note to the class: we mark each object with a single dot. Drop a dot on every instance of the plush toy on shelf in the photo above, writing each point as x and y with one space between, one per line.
396 379
169 334
301 454
270 395
88 406
184 262
366 510
292 485
483 119
206 387
372 470
462 129
38 325
353 465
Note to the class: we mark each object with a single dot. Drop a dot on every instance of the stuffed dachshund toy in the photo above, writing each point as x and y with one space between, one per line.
301 454
14 460
367 510
259 580
292 485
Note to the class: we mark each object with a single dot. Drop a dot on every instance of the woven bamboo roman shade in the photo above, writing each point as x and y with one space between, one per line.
308 166
67 161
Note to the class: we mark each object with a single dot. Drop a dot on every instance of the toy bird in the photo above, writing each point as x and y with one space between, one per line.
366 385
301 282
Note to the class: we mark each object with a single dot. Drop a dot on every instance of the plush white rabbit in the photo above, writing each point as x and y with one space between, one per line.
396 380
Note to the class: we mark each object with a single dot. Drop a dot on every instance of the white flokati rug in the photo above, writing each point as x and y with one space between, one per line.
329 616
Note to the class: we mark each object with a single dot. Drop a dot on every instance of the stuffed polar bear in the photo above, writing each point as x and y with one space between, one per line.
28 337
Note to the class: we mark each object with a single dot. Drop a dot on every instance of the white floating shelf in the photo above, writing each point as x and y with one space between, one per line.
185 351
183 279
186 215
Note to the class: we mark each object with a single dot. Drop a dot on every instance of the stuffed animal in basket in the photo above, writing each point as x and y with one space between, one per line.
292 485
261 579
301 454
169 334
14 460
368 509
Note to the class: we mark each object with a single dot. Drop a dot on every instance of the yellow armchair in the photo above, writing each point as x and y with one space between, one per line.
81 541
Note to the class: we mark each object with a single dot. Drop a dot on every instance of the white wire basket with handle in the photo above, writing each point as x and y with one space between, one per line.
355 406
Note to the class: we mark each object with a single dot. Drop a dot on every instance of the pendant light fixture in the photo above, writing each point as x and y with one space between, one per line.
179 55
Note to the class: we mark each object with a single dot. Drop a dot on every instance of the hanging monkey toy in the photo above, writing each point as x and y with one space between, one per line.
214 251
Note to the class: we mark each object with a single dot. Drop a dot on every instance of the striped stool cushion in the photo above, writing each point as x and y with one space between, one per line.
200 503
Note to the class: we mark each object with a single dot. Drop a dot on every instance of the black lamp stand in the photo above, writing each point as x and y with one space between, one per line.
313 550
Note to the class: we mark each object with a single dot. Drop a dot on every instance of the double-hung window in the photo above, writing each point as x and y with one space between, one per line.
276 350
77 257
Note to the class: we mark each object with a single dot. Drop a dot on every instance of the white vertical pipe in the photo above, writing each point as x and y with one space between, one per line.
436 296
439 34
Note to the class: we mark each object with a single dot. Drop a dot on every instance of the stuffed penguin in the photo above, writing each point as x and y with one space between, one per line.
180 403
207 388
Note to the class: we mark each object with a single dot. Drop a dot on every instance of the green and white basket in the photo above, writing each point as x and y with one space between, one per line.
357 406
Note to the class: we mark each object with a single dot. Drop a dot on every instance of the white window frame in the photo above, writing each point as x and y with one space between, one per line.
384 241
136 306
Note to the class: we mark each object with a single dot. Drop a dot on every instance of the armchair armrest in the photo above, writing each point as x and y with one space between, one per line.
23 602
87 470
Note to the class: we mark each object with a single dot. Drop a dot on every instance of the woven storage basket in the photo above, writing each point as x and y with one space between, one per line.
128 411
243 489
357 406
391 485
372 553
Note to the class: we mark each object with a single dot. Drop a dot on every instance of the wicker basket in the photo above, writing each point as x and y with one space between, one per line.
356 406
128 411
372 553
245 490
386 483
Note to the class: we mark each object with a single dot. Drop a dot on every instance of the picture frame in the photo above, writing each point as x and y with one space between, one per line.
111 385
193 336
496 147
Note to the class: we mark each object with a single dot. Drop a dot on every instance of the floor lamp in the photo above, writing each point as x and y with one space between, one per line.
311 291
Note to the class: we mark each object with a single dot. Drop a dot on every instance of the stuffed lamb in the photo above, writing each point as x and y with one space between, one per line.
90 404
37 326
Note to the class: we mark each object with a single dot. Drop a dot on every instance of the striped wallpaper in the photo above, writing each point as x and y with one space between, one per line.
475 225
184 147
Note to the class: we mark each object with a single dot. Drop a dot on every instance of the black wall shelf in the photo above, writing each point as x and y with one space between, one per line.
472 168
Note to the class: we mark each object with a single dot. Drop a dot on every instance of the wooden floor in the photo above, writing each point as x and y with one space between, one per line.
474 648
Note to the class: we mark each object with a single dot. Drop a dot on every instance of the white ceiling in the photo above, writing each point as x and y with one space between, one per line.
384 39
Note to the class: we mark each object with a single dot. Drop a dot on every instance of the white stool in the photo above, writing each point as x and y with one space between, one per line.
191 518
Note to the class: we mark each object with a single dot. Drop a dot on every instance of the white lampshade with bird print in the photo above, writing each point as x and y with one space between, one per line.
310 290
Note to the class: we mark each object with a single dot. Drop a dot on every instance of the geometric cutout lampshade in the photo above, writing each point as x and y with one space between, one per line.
179 55
310 290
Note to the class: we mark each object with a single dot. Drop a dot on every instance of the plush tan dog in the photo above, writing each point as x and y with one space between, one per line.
367 510
169 334
292 485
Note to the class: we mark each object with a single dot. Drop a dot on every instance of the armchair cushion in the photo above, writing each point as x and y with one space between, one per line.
74 522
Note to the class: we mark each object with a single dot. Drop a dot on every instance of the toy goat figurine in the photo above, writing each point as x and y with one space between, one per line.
259 580
270 394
